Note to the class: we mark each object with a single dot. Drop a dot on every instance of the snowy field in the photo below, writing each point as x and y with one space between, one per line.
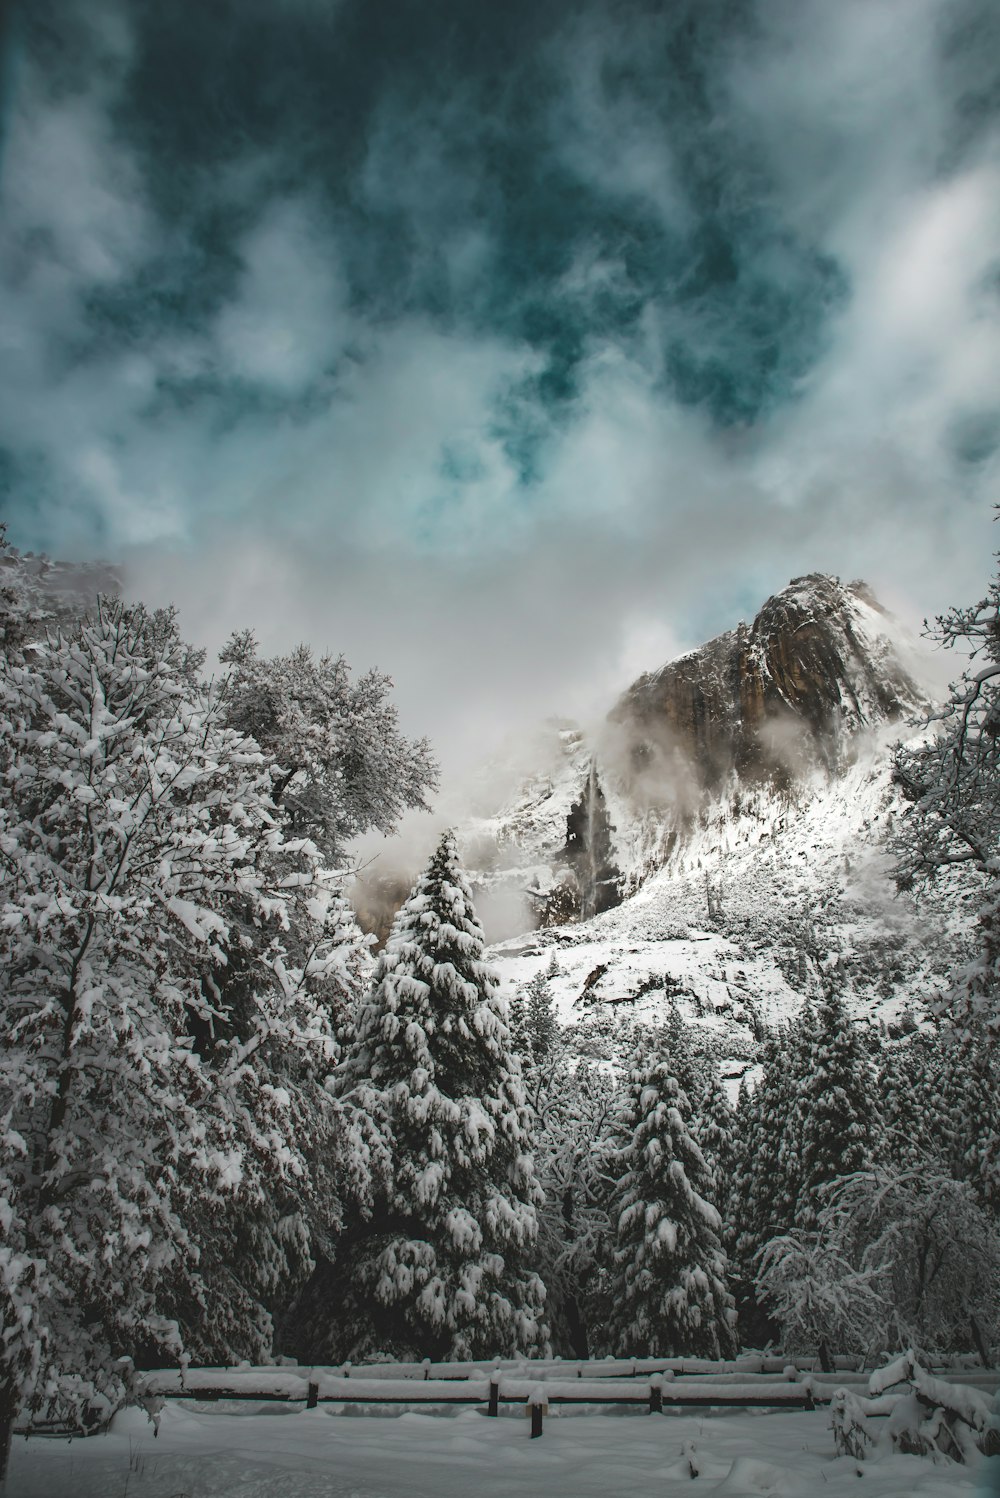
254 1451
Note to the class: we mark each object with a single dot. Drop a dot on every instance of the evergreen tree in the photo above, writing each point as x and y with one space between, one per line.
836 1125
440 1267
941 1101
349 968
671 1297
574 1110
711 1119
765 1178
913 1090
541 1024
713 1125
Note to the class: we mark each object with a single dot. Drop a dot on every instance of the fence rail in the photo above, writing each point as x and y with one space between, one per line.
653 1385
659 1389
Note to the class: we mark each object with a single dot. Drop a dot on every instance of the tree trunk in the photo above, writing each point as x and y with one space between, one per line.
977 1338
7 1413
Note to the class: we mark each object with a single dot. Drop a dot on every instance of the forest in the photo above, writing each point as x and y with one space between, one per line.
232 1131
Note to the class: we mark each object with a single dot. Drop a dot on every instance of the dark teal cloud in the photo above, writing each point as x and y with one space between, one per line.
461 98
559 185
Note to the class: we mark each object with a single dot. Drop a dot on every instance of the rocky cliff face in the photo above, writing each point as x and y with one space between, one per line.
759 713
791 691
749 796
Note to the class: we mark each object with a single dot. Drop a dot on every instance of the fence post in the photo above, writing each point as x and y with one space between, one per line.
656 1394
493 1408
536 1404
312 1396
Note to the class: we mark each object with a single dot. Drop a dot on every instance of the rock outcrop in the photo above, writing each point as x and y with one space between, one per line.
748 719
819 662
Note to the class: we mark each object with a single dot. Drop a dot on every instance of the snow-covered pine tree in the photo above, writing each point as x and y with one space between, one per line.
442 1266
574 1113
711 1119
766 1179
541 1025
913 1092
349 967
149 1110
941 1102
713 1124
836 1121
671 1295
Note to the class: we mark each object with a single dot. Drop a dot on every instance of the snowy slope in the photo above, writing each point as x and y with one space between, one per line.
800 890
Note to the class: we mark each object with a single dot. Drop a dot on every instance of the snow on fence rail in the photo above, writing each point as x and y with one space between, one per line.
537 1387
655 1385
657 1391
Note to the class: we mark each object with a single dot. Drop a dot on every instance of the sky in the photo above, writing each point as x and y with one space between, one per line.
511 347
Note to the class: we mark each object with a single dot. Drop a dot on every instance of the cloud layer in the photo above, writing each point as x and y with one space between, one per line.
505 347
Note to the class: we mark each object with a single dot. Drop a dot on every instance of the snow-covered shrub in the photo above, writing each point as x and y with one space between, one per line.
909 1410
898 1258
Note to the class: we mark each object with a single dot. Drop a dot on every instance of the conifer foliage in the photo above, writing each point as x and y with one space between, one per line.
838 1123
440 1267
671 1269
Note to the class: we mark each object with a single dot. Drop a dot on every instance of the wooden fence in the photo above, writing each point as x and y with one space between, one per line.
652 1385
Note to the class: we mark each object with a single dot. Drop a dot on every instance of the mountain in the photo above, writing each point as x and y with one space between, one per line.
721 841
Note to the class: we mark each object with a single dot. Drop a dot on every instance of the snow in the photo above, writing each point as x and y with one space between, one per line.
250 1451
802 882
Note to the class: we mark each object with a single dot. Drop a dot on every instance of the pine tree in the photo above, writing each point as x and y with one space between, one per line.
713 1125
671 1296
766 1176
766 1180
836 1122
916 1114
711 1119
540 1019
440 1268
574 1111
349 967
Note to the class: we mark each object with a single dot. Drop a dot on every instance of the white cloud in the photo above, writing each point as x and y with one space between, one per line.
288 321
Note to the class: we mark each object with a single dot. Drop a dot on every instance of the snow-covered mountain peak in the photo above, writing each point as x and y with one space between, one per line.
736 804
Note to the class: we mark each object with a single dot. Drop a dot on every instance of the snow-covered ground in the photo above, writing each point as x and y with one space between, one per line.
255 1451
